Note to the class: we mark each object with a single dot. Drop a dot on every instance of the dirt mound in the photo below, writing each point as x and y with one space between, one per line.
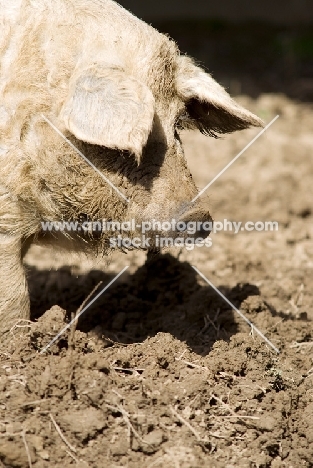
181 397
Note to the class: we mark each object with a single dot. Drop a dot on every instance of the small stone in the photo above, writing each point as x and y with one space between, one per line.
267 422
153 441
44 454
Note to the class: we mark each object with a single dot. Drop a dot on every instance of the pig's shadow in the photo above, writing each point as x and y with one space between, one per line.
164 295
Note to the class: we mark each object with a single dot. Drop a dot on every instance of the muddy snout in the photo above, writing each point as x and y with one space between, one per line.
194 223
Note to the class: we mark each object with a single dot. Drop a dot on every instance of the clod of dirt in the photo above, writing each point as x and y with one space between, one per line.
14 455
254 304
84 423
120 447
267 422
150 443
48 325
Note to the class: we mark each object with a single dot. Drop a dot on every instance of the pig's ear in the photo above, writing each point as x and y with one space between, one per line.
107 107
209 107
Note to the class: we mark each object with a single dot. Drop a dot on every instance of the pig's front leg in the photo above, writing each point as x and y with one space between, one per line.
14 299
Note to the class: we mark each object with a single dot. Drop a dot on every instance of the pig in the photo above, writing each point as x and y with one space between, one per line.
119 91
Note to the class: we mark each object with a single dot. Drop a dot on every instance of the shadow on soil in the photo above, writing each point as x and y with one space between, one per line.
162 295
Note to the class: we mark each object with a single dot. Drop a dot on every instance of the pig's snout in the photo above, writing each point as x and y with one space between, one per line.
195 222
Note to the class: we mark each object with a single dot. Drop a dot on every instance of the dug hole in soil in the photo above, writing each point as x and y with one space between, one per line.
160 371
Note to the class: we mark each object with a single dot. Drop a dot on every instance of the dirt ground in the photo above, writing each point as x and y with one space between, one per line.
161 372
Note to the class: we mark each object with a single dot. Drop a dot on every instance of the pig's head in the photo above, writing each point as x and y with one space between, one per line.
130 116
